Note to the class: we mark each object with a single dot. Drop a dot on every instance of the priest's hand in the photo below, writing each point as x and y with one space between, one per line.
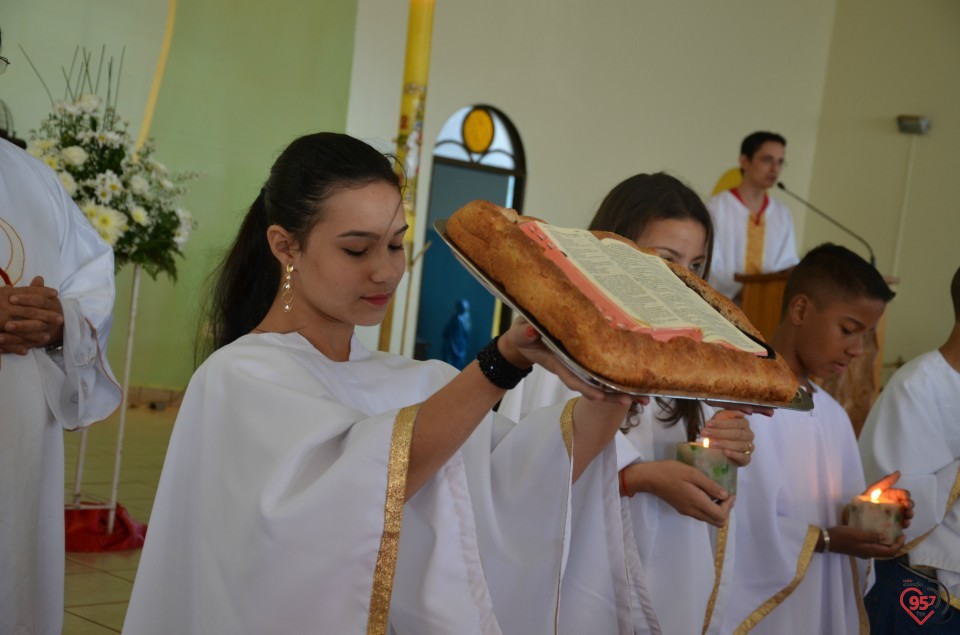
894 494
730 431
861 543
30 317
681 486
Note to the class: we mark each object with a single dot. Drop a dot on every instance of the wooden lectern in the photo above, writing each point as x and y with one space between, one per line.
761 298
858 387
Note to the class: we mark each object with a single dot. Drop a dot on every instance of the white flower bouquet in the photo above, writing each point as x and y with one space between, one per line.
129 197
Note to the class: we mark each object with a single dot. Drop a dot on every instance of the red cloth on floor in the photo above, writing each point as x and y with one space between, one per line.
86 530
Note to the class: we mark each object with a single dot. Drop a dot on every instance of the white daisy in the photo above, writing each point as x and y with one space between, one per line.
74 155
139 216
139 185
68 183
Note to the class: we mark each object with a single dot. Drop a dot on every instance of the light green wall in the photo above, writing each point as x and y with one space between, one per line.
889 58
243 78
51 30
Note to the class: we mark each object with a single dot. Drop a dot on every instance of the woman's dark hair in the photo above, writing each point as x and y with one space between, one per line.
643 198
627 210
307 173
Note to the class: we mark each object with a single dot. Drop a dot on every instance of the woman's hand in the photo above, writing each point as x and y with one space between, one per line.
730 431
684 488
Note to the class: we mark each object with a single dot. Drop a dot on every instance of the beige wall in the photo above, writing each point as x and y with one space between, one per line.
603 90
889 58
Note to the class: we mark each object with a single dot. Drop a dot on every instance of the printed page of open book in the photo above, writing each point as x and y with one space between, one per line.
636 290
654 275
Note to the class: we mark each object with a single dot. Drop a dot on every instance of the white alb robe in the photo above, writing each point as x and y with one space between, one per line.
670 558
45 392
805 469
273 512
914 427
730 218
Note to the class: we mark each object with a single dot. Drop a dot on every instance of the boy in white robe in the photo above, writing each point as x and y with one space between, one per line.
914 427
795 570
56 298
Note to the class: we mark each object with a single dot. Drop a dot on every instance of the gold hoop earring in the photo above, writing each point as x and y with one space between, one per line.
286 296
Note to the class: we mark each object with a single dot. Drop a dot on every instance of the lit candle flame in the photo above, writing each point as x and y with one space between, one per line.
875 495
706 442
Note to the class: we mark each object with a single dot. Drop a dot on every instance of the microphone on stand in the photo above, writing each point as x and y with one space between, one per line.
873 259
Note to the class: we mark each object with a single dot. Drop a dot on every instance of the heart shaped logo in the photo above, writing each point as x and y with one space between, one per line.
918 605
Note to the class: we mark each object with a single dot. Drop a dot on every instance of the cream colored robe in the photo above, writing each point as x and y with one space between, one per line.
280 504
805 469
914 427
730 218
656 572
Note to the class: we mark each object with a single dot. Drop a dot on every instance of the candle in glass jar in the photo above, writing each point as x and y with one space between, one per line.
711 461
877 512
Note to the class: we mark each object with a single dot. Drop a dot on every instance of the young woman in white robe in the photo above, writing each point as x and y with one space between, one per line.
314 486
674 537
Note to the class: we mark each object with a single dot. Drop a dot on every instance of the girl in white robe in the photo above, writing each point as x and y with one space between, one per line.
313 486
665 571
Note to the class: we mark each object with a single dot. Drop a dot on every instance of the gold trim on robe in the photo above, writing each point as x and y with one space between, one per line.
566 425
806 553
858 594
718 573
392 520
566 430
951 499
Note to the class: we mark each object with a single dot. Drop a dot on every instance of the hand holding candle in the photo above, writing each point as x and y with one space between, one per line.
883 509
681 486
711 461
729 430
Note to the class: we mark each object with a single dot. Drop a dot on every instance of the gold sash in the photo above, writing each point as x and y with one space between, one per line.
756 231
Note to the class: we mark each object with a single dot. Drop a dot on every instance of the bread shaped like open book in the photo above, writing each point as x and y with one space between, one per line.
621 312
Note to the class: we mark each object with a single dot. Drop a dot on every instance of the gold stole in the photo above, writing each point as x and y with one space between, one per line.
756 230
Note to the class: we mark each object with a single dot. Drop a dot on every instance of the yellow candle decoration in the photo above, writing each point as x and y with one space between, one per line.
877 512
711 461
410 136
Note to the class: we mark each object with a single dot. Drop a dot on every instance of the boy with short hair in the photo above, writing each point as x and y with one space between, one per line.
914 427
793 571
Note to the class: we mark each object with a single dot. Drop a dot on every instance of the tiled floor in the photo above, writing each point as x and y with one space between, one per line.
98 585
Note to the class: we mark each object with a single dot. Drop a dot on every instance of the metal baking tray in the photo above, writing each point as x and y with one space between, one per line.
801 401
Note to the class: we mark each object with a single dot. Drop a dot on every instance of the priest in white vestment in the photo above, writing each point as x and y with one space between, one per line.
48 250
753 232
914 427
